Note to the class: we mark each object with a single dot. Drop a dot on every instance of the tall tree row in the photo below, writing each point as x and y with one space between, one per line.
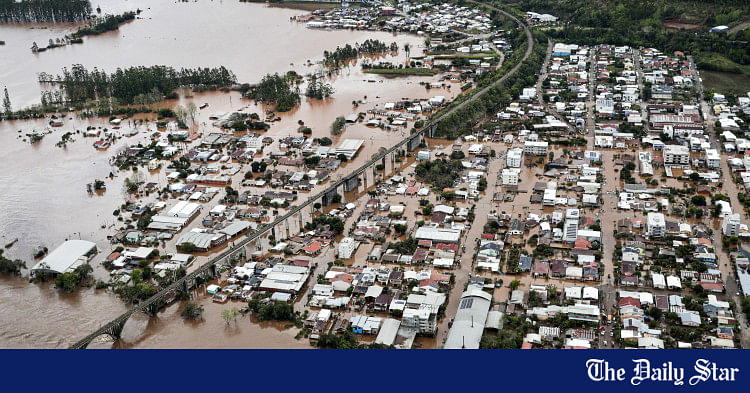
44 10
80 84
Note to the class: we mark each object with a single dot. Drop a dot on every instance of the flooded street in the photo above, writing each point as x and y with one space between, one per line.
45 200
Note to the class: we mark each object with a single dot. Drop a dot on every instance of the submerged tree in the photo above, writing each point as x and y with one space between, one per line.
6 103
276 89
44 10
230 315
192 311
8 266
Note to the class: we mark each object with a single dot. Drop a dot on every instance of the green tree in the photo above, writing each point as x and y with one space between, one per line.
8 266
192 311
230 315
338 125
6 103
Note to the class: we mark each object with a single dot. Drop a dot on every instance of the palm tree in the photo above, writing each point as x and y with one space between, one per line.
407 49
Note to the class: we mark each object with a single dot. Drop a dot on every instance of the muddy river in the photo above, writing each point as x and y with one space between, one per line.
44 199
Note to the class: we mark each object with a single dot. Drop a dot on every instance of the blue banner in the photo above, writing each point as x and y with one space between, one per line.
376 370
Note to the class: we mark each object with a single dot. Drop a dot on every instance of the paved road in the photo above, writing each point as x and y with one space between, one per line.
462 275
731 189
540 90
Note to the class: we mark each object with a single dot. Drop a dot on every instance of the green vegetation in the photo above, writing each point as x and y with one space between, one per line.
192 311
95 27
511 337
318 89
8 266
726 82
130 85
462 121
626 175
345 341
439 173
277 89
272 311
103 25
406 246
319 222
140 289
334 60
720 63
230 315
647 23
44 10
187 247
70 281
7 107
324 141
337 126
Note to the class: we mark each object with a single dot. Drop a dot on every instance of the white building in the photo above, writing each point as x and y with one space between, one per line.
66 257
570 231
346 248
513 158
656 225
510 176
419 319
713 160
535 148
730 225
676 155
468 325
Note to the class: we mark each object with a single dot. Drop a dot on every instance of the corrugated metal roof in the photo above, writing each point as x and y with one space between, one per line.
65 256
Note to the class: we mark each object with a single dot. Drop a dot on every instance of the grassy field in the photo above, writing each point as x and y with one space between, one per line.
401 71
726 82
723 75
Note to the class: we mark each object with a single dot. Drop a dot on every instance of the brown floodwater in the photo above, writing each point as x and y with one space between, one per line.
44 199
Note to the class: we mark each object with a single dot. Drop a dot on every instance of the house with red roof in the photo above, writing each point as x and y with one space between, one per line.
582 244
313 248
629 301
441 278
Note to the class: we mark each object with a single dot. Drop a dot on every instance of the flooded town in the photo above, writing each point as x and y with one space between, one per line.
382 174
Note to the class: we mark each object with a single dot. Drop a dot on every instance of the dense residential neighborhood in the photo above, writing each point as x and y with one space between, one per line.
493 184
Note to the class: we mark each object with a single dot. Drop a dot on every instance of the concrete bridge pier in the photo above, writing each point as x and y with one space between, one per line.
432 130
414 142
351 184
328 197
152 309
